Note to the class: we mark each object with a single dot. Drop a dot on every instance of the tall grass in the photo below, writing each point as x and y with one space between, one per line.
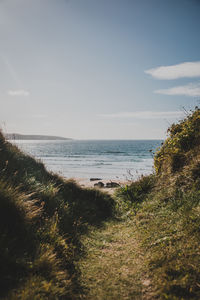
42 218
167 213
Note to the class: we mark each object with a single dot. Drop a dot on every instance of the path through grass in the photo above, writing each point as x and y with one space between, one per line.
113 267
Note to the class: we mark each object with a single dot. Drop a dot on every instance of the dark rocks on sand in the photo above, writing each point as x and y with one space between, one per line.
99 184
112 184
95 179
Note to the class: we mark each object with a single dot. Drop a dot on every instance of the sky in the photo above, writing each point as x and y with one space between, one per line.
98 69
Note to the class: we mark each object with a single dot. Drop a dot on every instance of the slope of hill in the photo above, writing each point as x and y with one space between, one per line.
42 217
166 210
52 244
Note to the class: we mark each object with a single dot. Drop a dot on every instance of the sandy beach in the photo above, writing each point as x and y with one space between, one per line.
85 182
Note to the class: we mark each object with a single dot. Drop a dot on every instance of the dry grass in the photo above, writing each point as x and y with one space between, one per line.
113 267
151 252
42 217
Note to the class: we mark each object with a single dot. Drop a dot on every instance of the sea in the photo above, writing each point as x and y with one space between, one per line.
105 159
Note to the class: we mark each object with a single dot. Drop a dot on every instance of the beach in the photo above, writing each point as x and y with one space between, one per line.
119 161
87 183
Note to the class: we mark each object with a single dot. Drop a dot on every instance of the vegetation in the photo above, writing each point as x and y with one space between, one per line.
168 215
59 241
154 251
135 193
181 146
41 220
113 267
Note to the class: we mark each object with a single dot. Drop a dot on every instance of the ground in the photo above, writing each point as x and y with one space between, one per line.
113 267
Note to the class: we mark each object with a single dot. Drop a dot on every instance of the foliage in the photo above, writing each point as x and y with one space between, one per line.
168 217
42 217
135 193
169 231
183 137
44 220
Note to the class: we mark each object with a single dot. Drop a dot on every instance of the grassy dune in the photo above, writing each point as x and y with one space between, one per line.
153 250
166 213
42 218
59 241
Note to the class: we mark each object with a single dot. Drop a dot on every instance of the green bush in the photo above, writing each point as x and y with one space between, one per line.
183 137
135 193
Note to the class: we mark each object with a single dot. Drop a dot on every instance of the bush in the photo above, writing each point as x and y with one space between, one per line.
183 137
135 193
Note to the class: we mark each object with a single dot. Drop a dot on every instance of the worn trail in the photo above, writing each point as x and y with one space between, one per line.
113 266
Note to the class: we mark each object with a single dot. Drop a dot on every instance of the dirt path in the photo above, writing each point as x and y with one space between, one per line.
113 267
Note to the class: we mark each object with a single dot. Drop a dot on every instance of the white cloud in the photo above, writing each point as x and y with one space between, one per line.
186 69
192 90
144 115
16 93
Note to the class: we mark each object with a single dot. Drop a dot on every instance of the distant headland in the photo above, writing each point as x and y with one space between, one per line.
17 136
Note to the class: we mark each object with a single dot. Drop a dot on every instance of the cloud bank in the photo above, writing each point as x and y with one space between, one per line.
144 115
16 93
183 70
192 90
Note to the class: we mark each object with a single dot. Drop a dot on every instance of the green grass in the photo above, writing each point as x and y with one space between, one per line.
167 214
42 218
112 267
161 214
134 194
169 230
59 241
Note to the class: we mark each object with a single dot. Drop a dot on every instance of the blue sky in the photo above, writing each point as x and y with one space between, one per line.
98 69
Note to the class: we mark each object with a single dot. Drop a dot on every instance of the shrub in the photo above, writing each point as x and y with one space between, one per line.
135 193
183 137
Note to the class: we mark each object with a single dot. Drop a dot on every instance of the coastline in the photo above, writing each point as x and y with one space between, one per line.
115 161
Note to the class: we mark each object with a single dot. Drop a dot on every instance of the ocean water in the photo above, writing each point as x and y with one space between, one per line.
122 159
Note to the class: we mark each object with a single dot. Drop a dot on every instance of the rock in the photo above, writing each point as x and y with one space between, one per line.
112 184
99 184
95 179
108 184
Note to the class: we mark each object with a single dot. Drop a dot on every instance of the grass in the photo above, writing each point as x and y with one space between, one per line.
151 253
135 193
59 241
154 252
42 218
170 237
113 267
